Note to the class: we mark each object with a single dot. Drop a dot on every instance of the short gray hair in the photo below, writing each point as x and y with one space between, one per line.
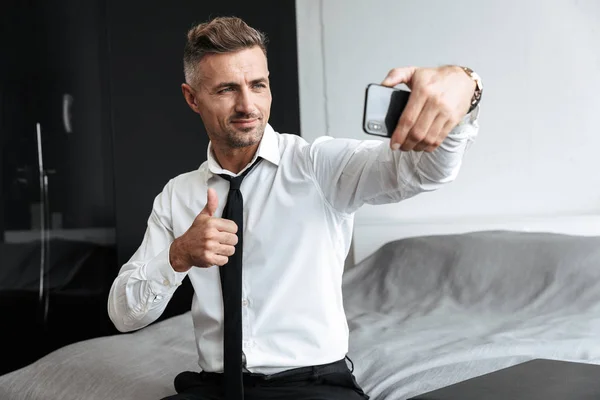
219 35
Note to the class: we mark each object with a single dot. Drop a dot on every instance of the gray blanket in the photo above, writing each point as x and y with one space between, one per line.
424 313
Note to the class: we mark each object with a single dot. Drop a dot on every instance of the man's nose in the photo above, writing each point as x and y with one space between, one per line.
244 104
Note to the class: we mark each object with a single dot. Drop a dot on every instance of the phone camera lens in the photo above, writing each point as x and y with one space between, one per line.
375 126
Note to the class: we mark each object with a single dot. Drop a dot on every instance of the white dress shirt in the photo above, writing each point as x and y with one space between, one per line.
299 205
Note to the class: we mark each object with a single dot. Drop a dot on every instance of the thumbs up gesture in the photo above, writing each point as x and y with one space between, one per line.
209 241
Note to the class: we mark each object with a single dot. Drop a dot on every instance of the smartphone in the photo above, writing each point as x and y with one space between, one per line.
383 107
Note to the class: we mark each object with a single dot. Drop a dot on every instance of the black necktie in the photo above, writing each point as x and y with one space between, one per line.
231 284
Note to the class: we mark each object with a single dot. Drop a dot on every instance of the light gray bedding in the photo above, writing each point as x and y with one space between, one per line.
428 312
423 312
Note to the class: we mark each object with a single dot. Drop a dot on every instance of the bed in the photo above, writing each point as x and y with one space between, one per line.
428 305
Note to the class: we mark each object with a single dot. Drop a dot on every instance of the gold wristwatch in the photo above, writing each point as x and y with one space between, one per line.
478 87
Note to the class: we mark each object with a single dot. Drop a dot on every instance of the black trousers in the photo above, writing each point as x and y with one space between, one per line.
322 382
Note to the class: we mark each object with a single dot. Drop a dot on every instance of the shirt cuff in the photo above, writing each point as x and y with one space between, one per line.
467 128
163 279
471 117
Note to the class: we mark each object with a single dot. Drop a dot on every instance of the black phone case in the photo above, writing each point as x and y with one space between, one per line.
398 101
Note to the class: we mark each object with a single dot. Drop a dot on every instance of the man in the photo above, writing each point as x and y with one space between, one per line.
283 208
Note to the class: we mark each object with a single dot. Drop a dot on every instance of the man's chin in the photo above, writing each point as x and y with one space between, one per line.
245 137
247 129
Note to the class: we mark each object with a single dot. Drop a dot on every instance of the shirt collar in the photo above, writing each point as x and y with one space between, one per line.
268 149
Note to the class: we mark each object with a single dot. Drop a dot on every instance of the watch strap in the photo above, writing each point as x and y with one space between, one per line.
478 87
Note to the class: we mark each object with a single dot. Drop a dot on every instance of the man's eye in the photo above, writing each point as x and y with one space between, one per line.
227 89
260 85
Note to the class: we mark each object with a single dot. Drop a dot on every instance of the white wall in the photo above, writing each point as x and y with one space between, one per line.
538 152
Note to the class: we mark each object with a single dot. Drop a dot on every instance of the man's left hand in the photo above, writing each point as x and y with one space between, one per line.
440 97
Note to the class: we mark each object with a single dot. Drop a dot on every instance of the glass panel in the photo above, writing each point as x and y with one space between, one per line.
20 243
77 150
53 77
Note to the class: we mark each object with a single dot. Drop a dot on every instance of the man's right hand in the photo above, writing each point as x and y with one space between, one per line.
209 241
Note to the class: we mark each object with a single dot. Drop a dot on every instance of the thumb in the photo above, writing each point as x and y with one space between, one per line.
212 201
399 75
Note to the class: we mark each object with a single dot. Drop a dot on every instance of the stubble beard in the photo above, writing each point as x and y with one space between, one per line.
239 138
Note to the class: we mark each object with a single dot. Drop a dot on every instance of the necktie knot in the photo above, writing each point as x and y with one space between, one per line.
235 182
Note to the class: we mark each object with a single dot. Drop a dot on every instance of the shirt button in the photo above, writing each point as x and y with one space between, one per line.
166 282
245 303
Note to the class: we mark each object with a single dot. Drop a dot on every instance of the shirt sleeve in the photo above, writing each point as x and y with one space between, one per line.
351 172
145 284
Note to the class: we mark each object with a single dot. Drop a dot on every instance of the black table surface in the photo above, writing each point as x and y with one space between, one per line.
537 379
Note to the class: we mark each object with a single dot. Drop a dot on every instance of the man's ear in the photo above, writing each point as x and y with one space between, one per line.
190 97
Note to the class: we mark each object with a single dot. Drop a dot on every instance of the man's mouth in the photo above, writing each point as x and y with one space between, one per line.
244 123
